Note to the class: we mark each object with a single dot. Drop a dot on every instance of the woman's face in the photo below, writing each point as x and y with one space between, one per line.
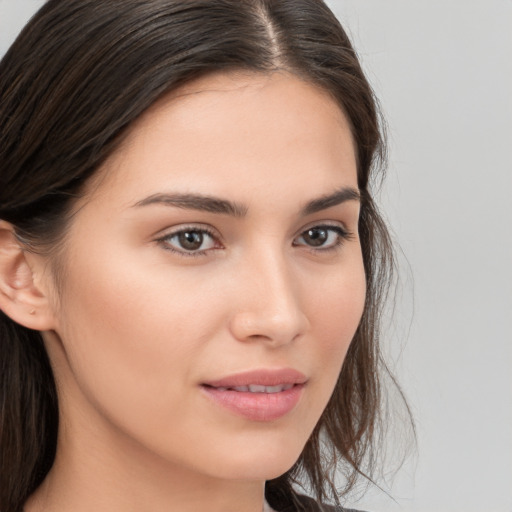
218 248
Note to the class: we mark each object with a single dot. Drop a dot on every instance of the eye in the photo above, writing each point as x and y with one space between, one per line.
322 237
189 241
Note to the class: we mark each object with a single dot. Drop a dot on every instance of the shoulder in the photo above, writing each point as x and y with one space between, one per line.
308 504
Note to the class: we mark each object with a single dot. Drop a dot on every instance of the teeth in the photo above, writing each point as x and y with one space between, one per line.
256 388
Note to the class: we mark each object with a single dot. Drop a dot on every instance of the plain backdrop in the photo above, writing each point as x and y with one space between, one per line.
442 70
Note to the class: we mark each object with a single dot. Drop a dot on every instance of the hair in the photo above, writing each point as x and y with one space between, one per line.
76 78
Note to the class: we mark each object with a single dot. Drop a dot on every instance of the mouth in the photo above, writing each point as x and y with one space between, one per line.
255 388
261 395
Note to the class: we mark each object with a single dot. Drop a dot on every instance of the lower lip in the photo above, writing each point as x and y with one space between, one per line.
257 406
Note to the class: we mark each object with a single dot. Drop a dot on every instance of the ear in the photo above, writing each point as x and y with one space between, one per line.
23 297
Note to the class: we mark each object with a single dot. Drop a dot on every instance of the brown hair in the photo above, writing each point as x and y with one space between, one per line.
71 85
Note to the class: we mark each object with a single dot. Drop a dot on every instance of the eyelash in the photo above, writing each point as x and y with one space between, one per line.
343 235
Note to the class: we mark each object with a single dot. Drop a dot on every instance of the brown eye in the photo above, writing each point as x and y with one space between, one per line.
322 237
315 237
189 241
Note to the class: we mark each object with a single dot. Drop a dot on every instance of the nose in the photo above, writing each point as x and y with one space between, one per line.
268 302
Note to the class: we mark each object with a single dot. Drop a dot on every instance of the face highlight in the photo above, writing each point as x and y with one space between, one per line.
220 239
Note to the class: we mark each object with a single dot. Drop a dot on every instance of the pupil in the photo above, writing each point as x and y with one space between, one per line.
191 240
316 236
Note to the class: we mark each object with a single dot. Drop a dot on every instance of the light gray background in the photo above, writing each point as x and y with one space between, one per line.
443 72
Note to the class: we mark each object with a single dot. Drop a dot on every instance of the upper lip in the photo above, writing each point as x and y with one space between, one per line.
261 377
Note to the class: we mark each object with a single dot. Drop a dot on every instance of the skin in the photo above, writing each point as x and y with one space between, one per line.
135 328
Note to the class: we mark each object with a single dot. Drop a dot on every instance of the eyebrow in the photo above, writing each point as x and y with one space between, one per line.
196 202
340 196
222 206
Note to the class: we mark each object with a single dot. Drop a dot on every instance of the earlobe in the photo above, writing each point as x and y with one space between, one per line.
21 298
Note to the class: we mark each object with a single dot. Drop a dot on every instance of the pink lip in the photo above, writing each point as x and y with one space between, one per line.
264 377
258 406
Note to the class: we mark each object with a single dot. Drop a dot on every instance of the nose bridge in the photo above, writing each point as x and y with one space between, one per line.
270 303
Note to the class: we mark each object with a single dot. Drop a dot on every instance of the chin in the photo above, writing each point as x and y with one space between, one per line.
262 462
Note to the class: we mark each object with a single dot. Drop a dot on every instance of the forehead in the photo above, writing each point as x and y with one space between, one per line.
235 130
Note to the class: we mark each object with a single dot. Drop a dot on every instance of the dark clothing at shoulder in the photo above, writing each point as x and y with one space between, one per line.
310 505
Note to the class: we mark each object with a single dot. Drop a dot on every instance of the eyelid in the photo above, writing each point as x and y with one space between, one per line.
328 224
191 226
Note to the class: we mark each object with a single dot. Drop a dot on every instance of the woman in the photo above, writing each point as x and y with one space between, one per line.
192 266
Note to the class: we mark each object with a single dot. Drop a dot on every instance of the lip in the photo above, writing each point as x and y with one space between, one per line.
258 406
262 377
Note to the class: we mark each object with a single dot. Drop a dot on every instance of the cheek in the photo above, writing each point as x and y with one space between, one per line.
133 341
131 336
335 308
337 305
133 322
